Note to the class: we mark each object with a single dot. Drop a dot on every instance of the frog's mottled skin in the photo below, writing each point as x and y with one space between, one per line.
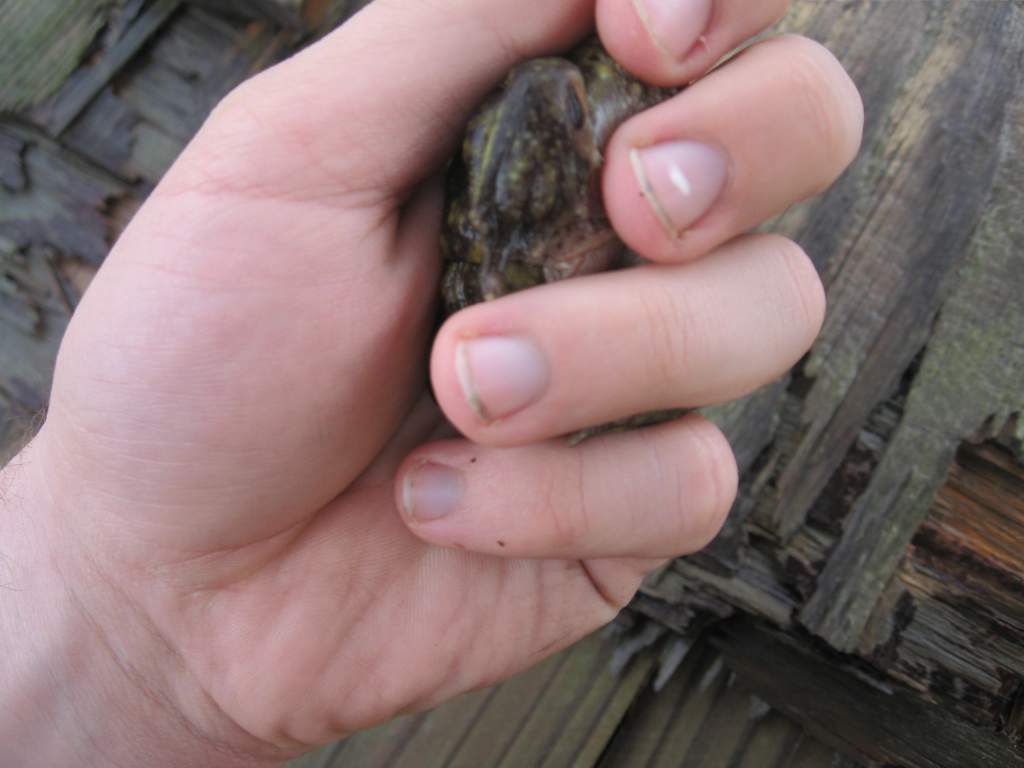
524 199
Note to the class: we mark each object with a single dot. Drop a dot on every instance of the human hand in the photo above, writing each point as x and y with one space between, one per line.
236 494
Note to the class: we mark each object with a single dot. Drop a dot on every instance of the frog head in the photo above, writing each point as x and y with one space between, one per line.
527 181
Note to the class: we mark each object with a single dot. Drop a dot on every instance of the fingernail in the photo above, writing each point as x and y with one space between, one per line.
675 26
680 179
500 375
431 491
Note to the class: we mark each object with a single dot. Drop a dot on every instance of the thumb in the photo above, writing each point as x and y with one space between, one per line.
378 104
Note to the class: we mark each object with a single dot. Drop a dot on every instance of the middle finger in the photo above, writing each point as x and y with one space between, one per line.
582 352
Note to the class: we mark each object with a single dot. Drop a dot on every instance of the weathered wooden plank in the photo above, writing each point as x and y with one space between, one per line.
325 15
105 133
771 743
969 384
286 13
693 707
723 734
87 82
912 231
594 721
63 202
316 16
440 732
12 164
904 215
849 711
494 732
190 68
703 719
559 713
753 588
41 43
366 749
36 299
811 753
375 747
163 96
645 727
951 621
562 722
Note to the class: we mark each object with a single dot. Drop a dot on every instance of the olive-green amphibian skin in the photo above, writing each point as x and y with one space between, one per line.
524 197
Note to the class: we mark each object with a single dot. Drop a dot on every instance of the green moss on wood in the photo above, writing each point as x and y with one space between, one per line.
41 43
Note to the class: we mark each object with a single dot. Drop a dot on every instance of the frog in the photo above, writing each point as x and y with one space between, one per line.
523 197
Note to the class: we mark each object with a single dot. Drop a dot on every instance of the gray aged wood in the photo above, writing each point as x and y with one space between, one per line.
43 41
971 380
571 711
838 530
869 584
846 526
840 703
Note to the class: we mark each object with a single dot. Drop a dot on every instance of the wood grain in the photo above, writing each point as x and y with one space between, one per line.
875 546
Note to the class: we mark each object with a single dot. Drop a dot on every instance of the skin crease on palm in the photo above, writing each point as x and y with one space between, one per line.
206 541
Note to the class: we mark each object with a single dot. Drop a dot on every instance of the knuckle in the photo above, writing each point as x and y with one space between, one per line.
615 587
668 332
568 512
228 147
238 106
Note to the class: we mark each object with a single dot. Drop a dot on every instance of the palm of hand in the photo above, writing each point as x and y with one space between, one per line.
246 400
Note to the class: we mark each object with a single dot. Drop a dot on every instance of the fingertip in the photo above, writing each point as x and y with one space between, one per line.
433 489
457 494
714 475
626 38
661 196
429 490
487 367
810 298
841 110
659 41
448 381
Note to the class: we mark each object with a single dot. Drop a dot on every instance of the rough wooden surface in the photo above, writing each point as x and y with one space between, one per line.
838 532
951 620
571 710
44 40
844 704
868 584
78 160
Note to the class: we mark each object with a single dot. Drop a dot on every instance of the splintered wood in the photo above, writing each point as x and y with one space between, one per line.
867 589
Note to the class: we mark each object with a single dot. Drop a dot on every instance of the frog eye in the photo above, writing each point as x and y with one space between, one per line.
573 108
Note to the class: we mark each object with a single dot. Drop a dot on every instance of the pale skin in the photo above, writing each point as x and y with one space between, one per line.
207 550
